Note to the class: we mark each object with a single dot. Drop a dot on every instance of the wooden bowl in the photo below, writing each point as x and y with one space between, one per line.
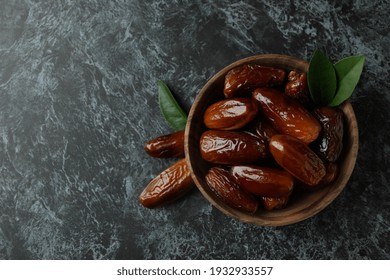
301 206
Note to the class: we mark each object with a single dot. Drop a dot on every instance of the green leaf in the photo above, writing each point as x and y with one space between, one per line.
321 78
348 71
172 112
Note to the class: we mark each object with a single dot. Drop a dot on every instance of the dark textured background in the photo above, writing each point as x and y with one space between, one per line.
78 100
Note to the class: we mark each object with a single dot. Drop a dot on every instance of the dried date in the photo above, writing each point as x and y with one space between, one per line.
224 187
250 76
329 144
231 147
297 87
170 145
230 114
263 181
332 171
298 159
287 115
168 186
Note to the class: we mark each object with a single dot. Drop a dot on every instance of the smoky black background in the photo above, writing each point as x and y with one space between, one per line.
78 100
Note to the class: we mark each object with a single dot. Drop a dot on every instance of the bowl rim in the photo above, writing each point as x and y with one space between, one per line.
328 194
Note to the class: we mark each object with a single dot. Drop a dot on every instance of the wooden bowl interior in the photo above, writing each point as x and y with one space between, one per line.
301 205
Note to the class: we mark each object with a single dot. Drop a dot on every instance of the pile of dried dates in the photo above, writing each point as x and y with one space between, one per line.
264 140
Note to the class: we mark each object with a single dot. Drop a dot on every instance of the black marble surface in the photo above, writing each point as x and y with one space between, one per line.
78 100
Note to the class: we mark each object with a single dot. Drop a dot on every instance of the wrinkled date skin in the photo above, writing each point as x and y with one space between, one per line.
296 87
221 183
171 145
231 147
287 115
297 158
230 114
263 181
330 142
264 129
170 185
250 76
271 203
332 170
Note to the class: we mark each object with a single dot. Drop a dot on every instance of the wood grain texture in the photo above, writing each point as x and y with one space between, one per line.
301 205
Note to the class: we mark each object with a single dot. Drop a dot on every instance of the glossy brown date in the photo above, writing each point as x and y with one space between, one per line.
231 147
223 186
230 114
170 185
297 158
250 76
171 145
271 203
332 170
330 141
287 115
296 86
263 181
